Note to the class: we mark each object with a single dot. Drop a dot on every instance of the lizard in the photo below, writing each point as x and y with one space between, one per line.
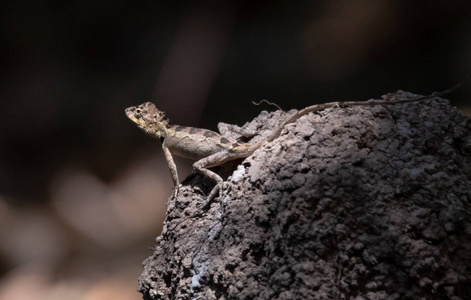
209 149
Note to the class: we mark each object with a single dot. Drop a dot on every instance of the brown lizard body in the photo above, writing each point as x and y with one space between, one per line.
211 149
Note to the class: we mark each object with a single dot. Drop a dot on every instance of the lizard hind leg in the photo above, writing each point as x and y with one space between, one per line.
202 166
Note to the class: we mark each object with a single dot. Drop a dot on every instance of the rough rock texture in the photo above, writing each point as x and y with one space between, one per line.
351 203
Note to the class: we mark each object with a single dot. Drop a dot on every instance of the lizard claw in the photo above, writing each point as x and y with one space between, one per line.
212 195
216 190
175 191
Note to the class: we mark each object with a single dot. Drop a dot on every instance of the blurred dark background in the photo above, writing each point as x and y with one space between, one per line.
83 191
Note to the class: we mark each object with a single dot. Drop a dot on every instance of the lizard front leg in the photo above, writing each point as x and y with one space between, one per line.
172 167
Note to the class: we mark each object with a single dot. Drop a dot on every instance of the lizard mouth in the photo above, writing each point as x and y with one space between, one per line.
130 114
137 119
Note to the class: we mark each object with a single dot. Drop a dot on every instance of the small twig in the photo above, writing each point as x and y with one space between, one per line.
267 102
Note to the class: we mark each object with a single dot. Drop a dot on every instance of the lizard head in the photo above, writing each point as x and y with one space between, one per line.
148 118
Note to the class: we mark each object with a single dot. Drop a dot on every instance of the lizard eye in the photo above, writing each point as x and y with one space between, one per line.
138 111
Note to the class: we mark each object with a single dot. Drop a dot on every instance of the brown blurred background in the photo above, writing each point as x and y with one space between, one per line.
83 191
